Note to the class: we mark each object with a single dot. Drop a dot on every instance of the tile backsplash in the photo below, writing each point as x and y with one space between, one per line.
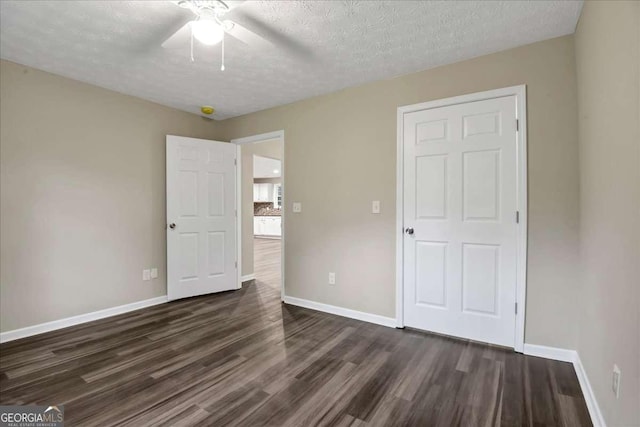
265 209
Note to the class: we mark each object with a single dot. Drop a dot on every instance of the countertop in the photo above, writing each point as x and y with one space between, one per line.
274 212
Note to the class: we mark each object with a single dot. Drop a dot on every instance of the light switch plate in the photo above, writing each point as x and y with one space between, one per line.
146 274
154 273
375 207
297 207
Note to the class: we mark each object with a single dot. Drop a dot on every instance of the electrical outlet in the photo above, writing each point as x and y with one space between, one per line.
297 207
154 273
375 207
332 278
615 384
146 274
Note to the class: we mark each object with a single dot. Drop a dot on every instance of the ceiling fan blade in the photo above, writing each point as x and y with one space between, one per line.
178 39
273 37
246 36
232 4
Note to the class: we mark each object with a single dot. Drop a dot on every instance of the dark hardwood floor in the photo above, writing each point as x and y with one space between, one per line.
243 358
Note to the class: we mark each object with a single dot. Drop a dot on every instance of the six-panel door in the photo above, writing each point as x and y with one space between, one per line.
460 181
201 203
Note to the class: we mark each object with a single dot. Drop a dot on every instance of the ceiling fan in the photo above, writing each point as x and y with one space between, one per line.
209 26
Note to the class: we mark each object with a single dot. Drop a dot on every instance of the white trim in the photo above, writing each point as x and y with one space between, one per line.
239 217
571 356
341 311
278 134
400 220
521 263
521 197
263 137
248 277
283 211
552 353
76 320
592 404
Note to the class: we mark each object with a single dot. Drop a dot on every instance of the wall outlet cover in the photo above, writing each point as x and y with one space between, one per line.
154 273
146 275
332 278
297 207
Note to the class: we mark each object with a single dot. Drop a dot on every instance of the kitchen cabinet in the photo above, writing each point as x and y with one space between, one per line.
277 196
267 226
272 226
263 192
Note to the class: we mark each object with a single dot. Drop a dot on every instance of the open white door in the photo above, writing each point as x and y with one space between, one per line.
201 219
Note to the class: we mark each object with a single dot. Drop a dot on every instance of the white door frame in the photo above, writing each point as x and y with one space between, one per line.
279 134
521 197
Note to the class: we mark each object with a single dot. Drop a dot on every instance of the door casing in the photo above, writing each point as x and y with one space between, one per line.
521 197
279 134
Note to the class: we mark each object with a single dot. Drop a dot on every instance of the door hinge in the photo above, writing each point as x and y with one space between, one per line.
236 264
235 212
517 217
517 125
235 162
516 308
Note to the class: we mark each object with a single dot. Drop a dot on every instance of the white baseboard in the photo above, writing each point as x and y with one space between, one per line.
76 320
248 277
592 404
341 311
553 353
573 357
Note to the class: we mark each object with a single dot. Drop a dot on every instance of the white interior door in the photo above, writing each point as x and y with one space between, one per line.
460 183
201 205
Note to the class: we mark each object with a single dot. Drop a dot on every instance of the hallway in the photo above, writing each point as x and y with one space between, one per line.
267 261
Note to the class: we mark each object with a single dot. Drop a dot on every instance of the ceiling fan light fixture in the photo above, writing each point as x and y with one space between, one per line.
207 31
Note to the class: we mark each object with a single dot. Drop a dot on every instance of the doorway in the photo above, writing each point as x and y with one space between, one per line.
261 210
462 213
267 211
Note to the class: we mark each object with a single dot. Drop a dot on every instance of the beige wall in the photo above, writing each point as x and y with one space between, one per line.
608 62
274 150
82 195
340 151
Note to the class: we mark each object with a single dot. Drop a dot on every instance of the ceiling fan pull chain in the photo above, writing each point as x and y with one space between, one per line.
192 60
222 66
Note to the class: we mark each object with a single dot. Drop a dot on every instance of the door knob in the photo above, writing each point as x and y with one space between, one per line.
172 225
409 231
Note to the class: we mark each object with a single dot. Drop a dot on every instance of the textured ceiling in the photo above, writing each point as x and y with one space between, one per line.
319 46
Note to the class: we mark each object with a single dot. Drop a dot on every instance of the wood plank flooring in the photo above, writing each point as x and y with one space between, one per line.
243 358
266 261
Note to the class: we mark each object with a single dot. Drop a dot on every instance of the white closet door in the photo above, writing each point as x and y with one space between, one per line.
460 238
